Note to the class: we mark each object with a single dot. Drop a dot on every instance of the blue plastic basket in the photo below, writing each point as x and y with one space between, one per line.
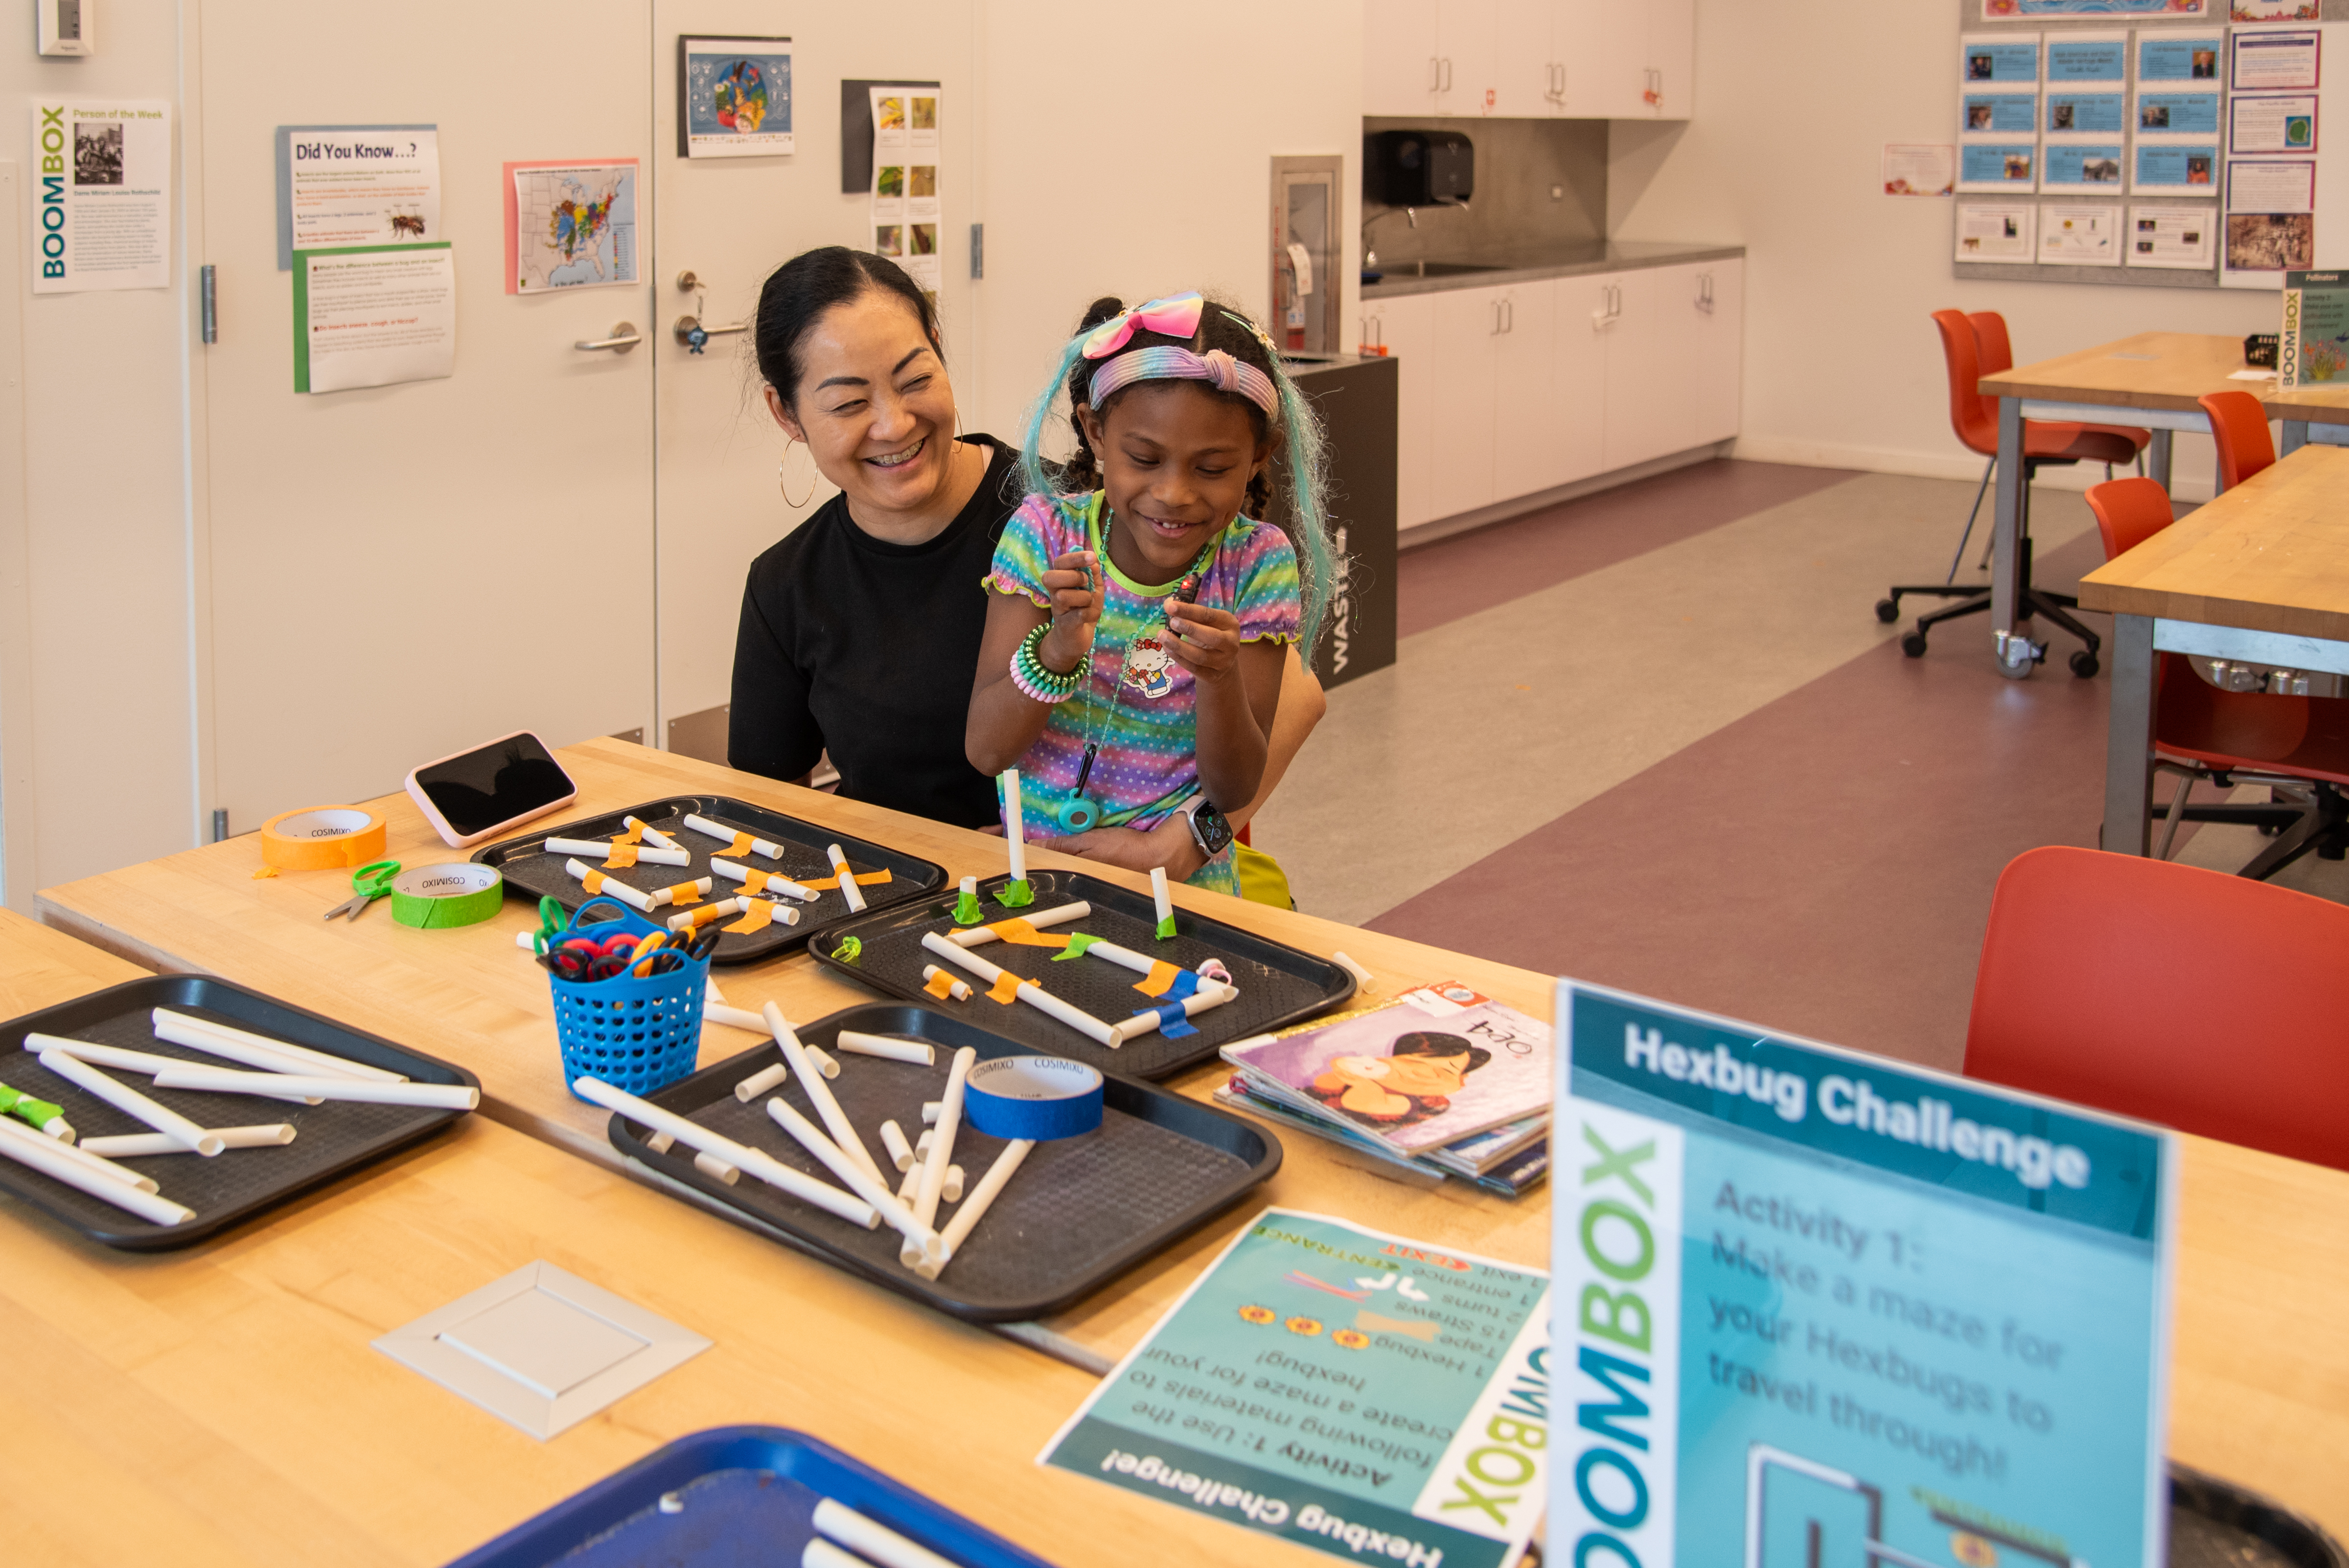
635 1034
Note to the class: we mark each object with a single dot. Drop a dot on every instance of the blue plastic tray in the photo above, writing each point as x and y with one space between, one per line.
745 1498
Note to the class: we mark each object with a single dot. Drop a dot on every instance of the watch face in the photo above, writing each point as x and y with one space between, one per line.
1213 832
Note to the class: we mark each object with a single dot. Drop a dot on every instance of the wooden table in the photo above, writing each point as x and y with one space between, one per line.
2154 380
470 996
2259 575
223 1405
227 1408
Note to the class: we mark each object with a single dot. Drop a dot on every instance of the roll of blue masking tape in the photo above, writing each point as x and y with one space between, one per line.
1038 1097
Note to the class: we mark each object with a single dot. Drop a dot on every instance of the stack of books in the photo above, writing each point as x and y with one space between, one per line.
1440 1080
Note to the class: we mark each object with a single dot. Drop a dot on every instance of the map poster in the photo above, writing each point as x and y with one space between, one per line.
341 185
100 174
570 224
1816 1307
1370 1397
733 97
372 315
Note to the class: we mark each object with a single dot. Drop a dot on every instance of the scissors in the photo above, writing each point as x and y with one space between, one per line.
368 883
552 922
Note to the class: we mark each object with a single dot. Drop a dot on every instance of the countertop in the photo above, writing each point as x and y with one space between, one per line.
1535 262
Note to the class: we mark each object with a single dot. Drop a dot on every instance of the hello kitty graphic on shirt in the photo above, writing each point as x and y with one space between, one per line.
1149 668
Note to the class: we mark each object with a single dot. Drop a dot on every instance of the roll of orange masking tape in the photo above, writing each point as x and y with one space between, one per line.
322 837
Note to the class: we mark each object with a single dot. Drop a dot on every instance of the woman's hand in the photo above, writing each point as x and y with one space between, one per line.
1169 844
1206 641
1074 582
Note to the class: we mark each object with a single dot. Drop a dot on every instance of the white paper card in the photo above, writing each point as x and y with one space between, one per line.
101 186
2079 235
1996 232
2179 238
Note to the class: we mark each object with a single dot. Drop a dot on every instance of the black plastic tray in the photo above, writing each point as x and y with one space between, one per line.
330 1139
534 873
1077 1213
1278 984
2214 1523
741 1497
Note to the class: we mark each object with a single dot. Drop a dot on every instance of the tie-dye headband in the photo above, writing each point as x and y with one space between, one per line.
1160 362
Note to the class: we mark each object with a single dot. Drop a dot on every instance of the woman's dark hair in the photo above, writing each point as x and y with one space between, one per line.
1429 1043
797 294
1220 327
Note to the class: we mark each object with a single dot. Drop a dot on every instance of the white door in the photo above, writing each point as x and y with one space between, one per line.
1467 334
1405 329
1524 354
1647 383
1399 64
399 572
1467 41
1671 53
1716 351
730 222
1608 78
1526 77
1577 425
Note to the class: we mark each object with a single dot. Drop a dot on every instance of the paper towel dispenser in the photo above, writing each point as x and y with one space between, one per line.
1420 168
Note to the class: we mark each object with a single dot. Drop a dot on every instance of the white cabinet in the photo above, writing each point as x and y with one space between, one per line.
1468 57
1405 329
1586 59
1672 354
1716 354
1400 64
1467 348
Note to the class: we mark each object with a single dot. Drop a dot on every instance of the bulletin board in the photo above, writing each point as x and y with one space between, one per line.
2138 150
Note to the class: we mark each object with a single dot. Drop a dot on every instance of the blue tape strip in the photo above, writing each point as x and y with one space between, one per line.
1173 1022
1186 983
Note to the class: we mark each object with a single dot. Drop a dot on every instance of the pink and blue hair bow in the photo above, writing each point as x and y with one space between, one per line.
1177 315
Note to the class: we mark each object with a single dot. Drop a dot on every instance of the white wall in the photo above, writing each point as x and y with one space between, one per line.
1842 366
1128 149
108 726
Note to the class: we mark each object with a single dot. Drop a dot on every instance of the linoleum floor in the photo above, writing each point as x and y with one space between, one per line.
1656 738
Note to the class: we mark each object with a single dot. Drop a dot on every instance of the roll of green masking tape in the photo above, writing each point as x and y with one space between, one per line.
457 894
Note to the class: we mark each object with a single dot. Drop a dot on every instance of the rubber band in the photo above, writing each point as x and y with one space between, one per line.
1173 1022
849 951
1078 943
1007 988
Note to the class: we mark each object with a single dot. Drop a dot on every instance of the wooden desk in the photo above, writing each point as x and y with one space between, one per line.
2153 379
2259 575
470 996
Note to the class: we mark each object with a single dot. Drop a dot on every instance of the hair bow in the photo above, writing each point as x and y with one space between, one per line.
1177 315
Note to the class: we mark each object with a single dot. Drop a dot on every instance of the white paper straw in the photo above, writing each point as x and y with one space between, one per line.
222 1040
711 993
709 1164
865 1184
527 940
818 1094
974 1206
848 887
951 1190
703 826
941 1155
129 1101
1083 1022
978 936
957 987
1361 976
1015 832
694 919
910 1185
1159 895
820 1553
640 902
130 1145
652 835
1209 994
646 854
732 1017
823 1061
930 1109
900 1153
217 1081
767 880
754 1162
884 1545
760 1082
91 1160
53 1161
920 1051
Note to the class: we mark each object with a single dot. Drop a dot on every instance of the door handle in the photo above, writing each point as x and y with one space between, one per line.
623 339
691 333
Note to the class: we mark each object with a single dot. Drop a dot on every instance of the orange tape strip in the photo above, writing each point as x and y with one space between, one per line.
756 917
622 855
1019 933
634 835
818 884
1007 988
740 847
867 878
684 893
594 882
1162 975
315 846
941 985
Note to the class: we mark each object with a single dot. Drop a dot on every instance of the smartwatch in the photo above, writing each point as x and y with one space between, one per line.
1209 828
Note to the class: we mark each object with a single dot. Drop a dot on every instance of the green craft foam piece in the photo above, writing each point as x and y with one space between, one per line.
1077 944
1015 895
1166 929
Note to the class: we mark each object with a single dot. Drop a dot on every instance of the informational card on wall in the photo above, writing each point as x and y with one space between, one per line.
2178 114
1919 169
2272 122
1999 114
1999 166
905 202
2181 165
2081 163
2271 220
1997 232
2275 10
2079 235
2314 347
570 224
733 97
101 183
2191 56
2073 112
372 315
342 185
2276 60
1999 59
1364 1394
2078 58
2178 238
1816 1308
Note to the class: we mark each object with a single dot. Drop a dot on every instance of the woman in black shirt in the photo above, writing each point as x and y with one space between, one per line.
861 628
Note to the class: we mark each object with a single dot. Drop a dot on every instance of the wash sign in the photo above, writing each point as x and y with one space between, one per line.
1813 1308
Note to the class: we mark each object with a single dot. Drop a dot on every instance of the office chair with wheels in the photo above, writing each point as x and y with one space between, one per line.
2296 745
2212 1004
2239 429
2045 443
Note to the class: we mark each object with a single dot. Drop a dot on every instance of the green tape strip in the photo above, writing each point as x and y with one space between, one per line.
1015 895
456 894
1077 944
1166 929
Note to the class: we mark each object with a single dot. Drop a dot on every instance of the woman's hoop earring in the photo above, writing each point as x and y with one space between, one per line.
783 481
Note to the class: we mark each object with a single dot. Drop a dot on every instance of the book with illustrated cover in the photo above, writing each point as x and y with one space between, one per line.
1438 1065
2314 347
1510 1176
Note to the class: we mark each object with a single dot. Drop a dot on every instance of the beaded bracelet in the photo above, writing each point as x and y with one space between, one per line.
1035 680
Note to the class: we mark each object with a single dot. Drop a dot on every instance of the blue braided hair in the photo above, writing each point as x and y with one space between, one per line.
1299 457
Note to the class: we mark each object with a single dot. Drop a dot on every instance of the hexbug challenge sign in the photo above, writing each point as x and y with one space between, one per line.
1349 1390
1820 1308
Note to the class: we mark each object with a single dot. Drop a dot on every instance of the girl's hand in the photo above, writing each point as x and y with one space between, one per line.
1206 641
1075 585
1169 844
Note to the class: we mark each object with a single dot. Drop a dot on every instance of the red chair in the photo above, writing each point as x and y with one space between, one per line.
2239 429
2214 1005
1973 347
2296 744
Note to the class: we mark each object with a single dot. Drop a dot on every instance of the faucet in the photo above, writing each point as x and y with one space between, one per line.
1370 257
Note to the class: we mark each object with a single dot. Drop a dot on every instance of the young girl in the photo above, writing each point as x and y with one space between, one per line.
1132 655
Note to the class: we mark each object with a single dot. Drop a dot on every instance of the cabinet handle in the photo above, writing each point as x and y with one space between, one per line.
1704 292
1447 74
1510 307
1434 74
